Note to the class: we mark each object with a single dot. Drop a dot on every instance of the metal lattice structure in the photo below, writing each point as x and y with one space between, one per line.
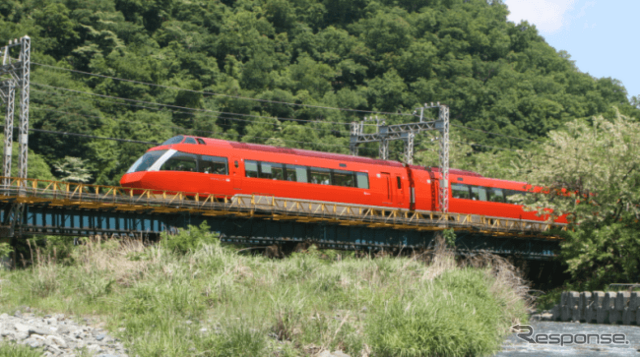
406 132
8 94
15 73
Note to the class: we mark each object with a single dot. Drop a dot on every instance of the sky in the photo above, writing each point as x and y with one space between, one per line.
602 37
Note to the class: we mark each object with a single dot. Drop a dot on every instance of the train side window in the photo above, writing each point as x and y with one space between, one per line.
251 168
508 194
181 162
495 194
296 173
399 182
190 141
200 141
343 178
320 176
265 170
478 193
459 190
272 171
213 165
362 180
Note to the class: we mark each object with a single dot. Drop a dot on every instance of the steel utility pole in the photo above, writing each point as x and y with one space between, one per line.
16 73
407 132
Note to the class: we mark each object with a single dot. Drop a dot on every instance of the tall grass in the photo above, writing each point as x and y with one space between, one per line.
11 349
209 300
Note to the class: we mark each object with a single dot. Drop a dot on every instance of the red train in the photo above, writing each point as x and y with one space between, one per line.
211 166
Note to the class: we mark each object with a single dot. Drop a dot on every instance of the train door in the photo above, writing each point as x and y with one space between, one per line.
236 174
387 193
399 186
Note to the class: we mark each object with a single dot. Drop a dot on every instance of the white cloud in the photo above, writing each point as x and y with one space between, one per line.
548 15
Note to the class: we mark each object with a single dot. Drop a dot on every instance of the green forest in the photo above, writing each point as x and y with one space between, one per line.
241 70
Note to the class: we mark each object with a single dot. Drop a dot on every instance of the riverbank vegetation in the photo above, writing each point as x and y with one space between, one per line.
212 300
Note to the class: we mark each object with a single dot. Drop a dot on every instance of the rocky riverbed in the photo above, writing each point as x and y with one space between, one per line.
58 335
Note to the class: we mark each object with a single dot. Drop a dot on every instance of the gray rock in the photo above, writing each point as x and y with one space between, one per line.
63 330
21 336
21 327
57 340
100 337
33 342
324 353
339 354
40 331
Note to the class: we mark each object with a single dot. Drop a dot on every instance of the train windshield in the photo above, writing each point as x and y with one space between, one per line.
174 140
145 162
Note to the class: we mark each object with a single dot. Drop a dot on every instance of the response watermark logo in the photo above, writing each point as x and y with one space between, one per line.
526 333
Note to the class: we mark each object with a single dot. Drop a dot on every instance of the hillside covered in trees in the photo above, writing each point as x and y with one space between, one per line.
384 55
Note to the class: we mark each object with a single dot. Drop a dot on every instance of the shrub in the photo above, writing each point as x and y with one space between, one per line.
453 315
190 239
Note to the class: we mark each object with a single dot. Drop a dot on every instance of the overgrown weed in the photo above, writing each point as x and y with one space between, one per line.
211 301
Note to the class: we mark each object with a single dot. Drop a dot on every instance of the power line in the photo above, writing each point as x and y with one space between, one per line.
89 136
182 107
494 133
218 94
183 112
183 129
482 145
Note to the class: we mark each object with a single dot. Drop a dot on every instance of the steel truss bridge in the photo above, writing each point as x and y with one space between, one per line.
41 207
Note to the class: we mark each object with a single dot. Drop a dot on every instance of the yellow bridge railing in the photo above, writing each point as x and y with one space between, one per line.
97 197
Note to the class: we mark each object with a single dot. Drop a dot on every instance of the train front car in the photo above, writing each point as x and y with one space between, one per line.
180 164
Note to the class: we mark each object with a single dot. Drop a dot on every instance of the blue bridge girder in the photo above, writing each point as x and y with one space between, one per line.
40 207
73 221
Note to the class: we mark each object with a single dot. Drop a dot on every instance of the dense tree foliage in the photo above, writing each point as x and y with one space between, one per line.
364 54
591 171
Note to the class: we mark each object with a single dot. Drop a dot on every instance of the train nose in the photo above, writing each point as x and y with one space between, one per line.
133 179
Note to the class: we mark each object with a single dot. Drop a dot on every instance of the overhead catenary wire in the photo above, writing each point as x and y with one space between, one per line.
218 116
142 123
204 110
251 115
89 136
496 134
182 107
270 101
218 94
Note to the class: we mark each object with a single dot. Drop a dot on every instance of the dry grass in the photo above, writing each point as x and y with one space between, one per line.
311 300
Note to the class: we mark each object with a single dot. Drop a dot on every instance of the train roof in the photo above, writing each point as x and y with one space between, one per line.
326 155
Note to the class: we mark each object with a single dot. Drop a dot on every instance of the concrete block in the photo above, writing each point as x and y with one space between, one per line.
628 317
566 313
585 300
598 298
609 300
591 315
577 314
615 317
564 297
622 300
634 301
556 313
602 316
573 298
